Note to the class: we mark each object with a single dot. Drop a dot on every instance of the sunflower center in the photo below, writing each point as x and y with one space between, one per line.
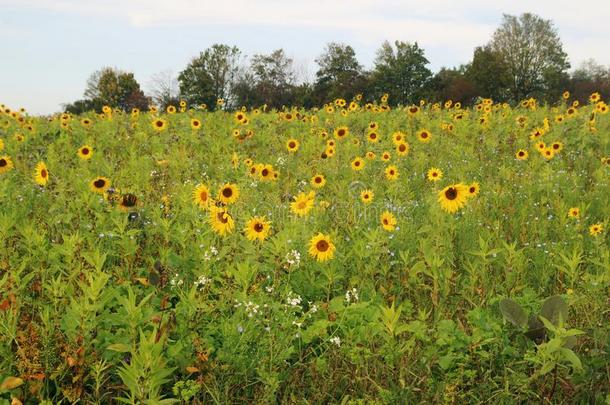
341 132
322 246
357 163
301 205
265 172
3 163
227 192
203 196
451 193
223 217
85 151
385 221
43 173
402 147
424 135
318 180
99 183
159 124
472 190
555 146
521 153
258 227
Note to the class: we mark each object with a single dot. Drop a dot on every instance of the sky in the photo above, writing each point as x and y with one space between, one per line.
48 48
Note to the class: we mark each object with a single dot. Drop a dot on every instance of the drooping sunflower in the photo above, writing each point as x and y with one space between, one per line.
201 196
228 193
473 189
41 174
99 184
159 124
257 228
318 181
85 152
221 221
195 124
292 145
321 247
453 197
574 212
358 164
424 136
391 173
128 201
366 196
6 164
596 229
303 203
434 174
388 221
402 149
521 154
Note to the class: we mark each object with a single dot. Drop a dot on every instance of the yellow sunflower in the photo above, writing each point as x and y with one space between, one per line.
372 137
574 212
358 164
318 181
391 173
402 149
201 196
473 189
388 221
366 196
557 146
386 156
85 152
99 184
521 154
424 136
453 197
596 229
398 137
341 132
195 124
228 193
292 145
221 221
41 174
321 247
434 174
6 164
159 124
303 203
257 228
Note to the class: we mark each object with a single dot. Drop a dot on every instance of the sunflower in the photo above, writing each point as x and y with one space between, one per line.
6 164
391 173
402 149
594 98
574 212
171 109
292 145
221 221
386 156
596 229
266 172
86 122
566 95
366 196
159 124
413 110
398 137
541 146
370 155
358 164
473 189
341 132
99 184
388 221
195 124
434 174
303 203
201 196
318 181
41 174
321 247
257 228
557 146
521 154
128 201
228 193
372 137
548 153
424 136
453 197
85 152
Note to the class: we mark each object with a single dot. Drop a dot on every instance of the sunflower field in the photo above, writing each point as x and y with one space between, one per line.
350 254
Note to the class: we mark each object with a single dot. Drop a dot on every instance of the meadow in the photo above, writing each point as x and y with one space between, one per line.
350 254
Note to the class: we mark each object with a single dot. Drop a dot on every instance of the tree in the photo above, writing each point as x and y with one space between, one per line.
210 76
115 88
401 72
339 74
533 54
588 78
452 84
163 89
489 74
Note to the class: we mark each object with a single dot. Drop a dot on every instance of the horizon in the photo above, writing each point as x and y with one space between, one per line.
52 47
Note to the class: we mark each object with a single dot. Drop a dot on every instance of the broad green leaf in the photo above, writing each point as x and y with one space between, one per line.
513 312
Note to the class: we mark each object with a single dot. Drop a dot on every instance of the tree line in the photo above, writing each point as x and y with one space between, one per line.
524 58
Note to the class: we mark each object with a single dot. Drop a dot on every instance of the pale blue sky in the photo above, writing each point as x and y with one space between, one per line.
48 48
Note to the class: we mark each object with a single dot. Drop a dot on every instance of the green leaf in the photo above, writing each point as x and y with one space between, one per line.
555 310
570 356
119 347
513 312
